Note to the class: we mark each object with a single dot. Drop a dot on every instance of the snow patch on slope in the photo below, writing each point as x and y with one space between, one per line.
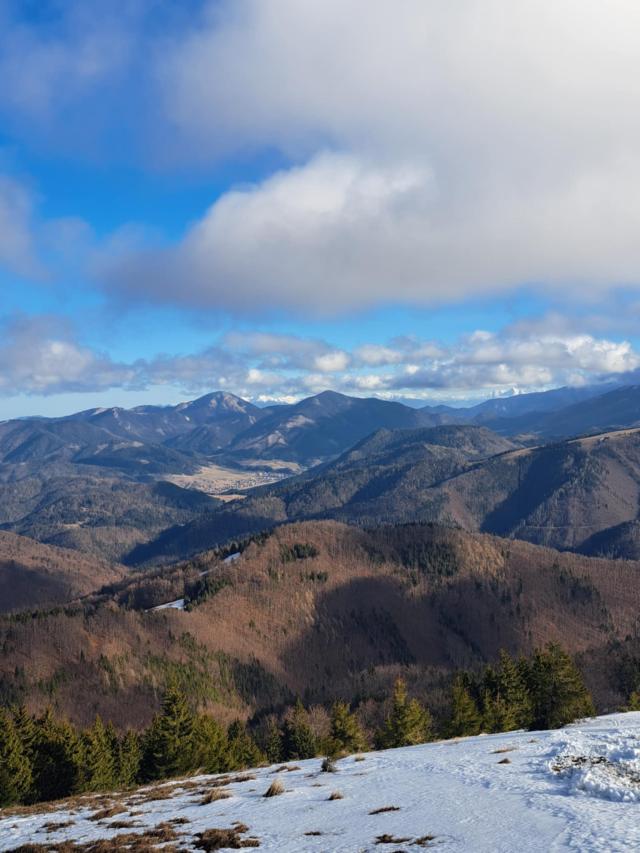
489 794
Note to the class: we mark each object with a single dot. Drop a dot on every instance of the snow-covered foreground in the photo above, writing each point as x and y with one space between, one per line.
573 789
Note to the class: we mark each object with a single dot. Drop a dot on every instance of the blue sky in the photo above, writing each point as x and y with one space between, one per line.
254 196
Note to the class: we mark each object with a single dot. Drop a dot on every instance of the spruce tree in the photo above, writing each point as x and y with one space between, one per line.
129 758
298 740
243 750
26 728
408 723
58 759
512 688
346 734
15 766
634 701
100 758
169 741
465 718
557 689
211 747
273 742
492 712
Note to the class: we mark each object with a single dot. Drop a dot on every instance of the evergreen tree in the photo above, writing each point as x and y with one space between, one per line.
408 723
211 747
169 741
58 759
26 728
100 758
298 740
243 750
346 734
512 688
129 758
558 692
273 742
492 712
634 701
465 718
15 766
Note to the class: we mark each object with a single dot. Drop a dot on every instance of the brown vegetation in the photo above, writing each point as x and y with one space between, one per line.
418 599
221 839
33 575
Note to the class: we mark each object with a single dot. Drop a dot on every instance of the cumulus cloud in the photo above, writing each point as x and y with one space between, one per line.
442 150
325 236
39 355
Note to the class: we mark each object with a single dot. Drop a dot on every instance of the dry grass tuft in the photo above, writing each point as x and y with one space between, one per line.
275 789
336 795
390 839
214 795
385 809
225 839
145 842
110 811
504 749
54 827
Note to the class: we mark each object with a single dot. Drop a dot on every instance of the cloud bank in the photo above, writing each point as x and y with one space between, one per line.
40 356
442 151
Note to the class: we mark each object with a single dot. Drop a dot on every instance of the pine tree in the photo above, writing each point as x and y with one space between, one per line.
211 747
169 741
129 758
273 742
512 688
26 728
298 741
243 750
15 766
634 701
346 734
100 757
58 759
492 711
408 723
465 718
557 689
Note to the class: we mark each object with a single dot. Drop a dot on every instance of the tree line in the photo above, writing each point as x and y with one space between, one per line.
42 758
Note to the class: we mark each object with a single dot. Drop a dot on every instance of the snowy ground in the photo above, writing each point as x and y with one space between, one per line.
573 789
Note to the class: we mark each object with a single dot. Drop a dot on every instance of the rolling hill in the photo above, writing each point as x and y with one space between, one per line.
33 575
561 495
385 477
319 609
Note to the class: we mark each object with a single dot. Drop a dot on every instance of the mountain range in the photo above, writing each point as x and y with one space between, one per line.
97 480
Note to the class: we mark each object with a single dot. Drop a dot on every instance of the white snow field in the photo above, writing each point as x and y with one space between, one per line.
576 788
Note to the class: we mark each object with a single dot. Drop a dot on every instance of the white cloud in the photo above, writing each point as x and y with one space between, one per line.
39 355
448 150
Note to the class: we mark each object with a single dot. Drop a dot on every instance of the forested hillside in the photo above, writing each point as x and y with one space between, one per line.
323 611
